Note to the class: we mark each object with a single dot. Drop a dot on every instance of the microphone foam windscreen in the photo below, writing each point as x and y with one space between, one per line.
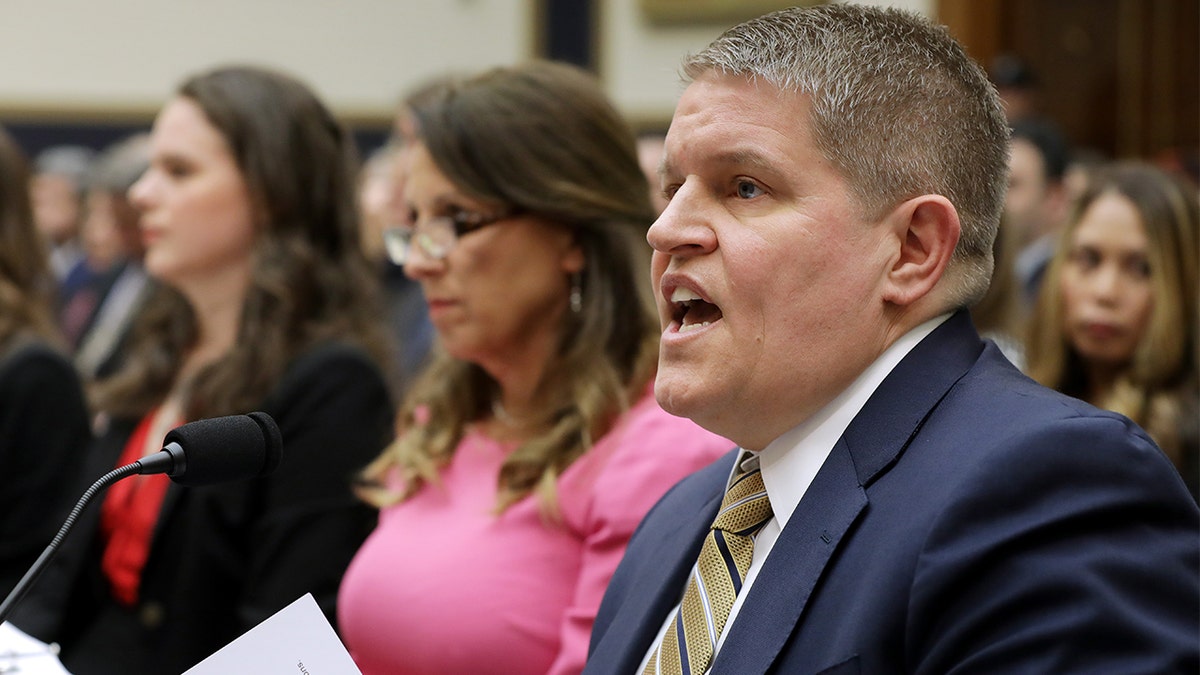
220 449
274 439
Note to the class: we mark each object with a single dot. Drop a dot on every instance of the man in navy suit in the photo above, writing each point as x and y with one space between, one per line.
836 176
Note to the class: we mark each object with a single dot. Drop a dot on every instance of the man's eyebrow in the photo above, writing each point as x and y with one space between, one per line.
727 157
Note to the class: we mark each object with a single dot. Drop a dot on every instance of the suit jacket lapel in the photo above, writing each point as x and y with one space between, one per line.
872 443
787 579
895 412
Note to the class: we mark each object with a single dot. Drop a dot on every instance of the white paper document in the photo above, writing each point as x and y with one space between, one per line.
24 655
297 640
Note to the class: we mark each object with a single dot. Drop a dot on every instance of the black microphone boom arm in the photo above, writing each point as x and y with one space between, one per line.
224 449
39 565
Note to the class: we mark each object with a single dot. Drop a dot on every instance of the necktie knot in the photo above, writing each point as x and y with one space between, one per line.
745 508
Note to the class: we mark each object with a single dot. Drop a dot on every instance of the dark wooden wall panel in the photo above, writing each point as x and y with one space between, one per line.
1120 76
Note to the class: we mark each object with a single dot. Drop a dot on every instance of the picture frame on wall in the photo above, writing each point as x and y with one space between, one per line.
693 12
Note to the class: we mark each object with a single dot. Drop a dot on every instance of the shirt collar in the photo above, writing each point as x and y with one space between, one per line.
791 462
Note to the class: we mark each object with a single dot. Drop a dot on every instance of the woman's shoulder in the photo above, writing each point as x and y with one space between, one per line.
647 439
33 361
333 408
647 425
328 363
640 458
335 373
336 352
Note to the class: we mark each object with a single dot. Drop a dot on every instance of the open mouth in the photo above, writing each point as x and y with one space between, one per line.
692 311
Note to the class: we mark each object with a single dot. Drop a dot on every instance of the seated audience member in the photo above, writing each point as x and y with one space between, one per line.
57 189
903 500
113 242
375 180
650 150
380 179
1018 86
1084 162
1116 324
43 421
1037 201
263 303
531 447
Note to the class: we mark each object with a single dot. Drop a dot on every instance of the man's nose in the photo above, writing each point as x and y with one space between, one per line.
685 227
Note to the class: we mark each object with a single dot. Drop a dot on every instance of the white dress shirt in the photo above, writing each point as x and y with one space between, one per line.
790 462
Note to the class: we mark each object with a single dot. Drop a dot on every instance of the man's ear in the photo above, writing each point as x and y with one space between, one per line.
927 229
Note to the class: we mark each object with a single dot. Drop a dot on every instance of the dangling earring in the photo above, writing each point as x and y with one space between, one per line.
576 294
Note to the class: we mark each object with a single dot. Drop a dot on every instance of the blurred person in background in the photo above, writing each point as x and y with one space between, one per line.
1018 86
1116 324
264 302
650 152
375 178
113 244
43 419
57 189
532 445
380 178
1036 204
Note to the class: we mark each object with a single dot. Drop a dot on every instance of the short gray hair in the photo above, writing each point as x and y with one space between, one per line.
896 105
71 161
120 165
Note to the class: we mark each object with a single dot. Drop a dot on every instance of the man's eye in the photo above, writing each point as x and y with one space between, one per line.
748 190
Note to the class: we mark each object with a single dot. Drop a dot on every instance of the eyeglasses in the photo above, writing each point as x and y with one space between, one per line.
436 237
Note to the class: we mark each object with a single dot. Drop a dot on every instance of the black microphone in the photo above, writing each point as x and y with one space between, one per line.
204 452
218 450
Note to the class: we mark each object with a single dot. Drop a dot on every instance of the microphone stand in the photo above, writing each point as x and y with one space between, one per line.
39 565
172 460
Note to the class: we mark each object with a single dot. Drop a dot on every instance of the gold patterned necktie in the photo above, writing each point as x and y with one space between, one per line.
691 639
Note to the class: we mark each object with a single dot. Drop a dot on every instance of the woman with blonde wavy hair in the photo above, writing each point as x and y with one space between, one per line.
1116 323
532 446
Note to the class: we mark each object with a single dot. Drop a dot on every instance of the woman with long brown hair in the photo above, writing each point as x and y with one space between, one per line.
264 302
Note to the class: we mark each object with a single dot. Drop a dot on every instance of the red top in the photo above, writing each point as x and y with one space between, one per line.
127 520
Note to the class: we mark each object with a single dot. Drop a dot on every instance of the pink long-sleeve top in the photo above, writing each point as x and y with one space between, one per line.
446 585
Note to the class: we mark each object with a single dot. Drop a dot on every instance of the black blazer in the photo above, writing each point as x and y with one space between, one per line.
43 437
969 520
225 557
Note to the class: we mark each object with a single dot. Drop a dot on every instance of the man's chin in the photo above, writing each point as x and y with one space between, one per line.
677 394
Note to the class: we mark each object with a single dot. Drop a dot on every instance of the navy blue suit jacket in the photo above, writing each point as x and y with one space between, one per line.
969 520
